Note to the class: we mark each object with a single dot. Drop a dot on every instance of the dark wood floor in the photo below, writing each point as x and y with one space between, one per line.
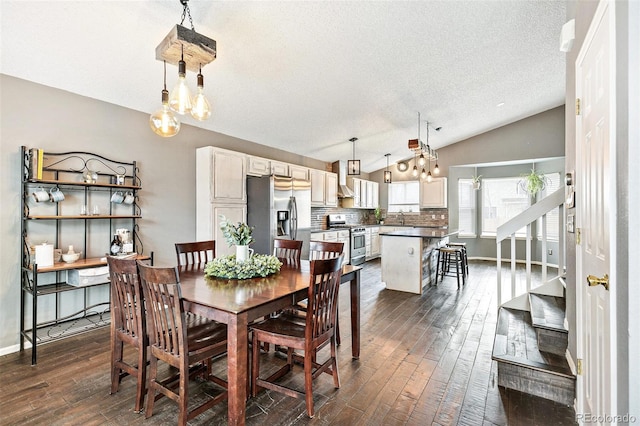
426 360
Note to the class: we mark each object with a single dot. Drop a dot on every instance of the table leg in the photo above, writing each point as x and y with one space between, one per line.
355 314
237 355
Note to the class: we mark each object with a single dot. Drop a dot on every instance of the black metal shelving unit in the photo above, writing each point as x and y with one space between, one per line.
66 171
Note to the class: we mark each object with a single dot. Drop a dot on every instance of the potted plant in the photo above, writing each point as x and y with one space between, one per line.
238 234
378 214
533 182
476 182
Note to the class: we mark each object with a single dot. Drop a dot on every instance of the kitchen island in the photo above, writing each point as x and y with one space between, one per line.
409 257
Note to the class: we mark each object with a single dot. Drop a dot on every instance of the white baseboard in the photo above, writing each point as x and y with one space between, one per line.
14 348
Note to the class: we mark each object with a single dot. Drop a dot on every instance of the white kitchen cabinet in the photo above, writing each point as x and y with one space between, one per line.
234 213
365 194
220 176
317 187
434 194
299 172
324 188
331 189
344 237
367 243
279 168
258 166
335 236
375 242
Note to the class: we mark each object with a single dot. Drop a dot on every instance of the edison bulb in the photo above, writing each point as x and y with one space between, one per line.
414 172
429 177
180 100
436 169
163 122
423 174
421 159
200 107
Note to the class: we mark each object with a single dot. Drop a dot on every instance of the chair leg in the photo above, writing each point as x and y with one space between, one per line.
183 397
141 377
116 355
308 383
255 361
151 392
334 366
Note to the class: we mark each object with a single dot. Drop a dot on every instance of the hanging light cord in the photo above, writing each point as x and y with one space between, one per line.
186 12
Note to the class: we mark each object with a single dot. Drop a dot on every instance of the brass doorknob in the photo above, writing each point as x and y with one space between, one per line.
592 280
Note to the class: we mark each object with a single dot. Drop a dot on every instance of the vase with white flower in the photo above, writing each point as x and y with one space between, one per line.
238 234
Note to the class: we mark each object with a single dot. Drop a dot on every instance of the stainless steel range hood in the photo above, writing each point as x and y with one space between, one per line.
340 167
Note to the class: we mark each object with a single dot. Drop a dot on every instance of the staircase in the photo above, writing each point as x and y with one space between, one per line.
531 336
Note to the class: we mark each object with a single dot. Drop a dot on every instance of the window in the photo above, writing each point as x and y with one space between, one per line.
553 217
404 196
501 201
466 208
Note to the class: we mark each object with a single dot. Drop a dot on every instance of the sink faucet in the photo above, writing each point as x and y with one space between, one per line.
401 218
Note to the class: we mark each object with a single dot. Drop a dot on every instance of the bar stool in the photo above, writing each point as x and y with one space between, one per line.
465 259
448 257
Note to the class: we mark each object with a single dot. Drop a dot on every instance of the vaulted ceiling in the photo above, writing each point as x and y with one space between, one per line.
306 76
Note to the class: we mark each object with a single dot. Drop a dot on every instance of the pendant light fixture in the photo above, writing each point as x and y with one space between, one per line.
180 100
199 50
424 155
200 107
163 122
387 173
353 166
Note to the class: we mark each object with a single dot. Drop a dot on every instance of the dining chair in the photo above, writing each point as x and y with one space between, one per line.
128 325
180 346
287 250
195 255
324 249
318 329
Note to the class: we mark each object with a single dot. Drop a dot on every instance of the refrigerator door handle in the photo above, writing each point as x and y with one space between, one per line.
294 218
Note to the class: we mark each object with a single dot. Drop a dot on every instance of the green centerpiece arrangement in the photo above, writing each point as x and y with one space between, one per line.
258 265
244 264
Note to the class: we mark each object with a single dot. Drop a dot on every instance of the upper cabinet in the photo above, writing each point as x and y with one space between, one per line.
324 188
434 194
220 175
298 172
365 194
259 166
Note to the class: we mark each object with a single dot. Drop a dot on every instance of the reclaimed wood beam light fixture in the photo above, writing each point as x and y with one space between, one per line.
427 155
188 50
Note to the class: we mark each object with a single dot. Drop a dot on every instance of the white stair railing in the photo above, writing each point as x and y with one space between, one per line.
526 219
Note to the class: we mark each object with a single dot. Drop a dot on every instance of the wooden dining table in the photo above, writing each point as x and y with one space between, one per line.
239 302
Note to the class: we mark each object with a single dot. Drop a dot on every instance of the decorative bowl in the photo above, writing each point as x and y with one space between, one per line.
70 257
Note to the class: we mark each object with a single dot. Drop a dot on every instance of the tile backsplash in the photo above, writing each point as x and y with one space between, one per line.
426 217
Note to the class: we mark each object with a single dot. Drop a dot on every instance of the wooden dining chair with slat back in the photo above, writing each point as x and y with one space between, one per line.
180 346
195 255
287 250
128 325
318 330
324 250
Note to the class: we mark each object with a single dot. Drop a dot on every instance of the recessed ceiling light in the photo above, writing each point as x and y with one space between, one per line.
500 104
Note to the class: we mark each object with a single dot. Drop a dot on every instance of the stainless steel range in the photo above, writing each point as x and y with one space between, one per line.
357 246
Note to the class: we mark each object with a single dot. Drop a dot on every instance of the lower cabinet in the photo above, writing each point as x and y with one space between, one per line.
208 224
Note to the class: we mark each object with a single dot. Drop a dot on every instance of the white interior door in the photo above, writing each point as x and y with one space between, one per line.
595 209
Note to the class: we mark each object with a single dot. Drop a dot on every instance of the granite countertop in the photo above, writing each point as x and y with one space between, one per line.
421 232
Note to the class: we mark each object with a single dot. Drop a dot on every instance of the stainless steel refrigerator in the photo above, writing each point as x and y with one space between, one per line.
278 207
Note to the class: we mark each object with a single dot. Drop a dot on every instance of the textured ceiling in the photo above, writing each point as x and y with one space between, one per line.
307 76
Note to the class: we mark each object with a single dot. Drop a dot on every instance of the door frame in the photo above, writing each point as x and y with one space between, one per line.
603 6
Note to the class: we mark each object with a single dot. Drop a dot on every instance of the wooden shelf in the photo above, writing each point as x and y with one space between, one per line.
69 182
78 216
91 262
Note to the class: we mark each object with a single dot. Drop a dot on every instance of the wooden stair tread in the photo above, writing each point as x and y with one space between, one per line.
548 312
516 343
